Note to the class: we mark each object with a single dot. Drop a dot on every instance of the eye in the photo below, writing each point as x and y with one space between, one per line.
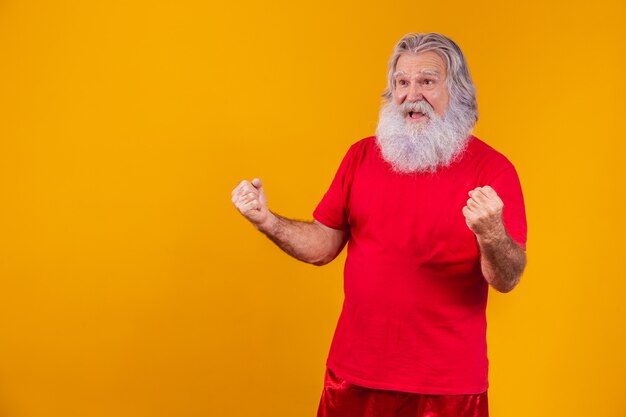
402 82
428 81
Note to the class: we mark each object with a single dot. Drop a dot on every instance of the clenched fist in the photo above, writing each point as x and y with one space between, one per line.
483 214
249 198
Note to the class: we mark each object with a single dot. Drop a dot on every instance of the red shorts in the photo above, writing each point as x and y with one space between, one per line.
343 399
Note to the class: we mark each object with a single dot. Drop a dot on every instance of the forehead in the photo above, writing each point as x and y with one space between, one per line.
424 62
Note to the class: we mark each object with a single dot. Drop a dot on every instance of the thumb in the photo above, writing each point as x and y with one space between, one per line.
258 184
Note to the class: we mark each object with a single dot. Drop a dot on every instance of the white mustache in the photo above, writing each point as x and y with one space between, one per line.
417 106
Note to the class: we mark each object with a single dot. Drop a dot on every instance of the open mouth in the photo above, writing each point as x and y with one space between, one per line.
416 115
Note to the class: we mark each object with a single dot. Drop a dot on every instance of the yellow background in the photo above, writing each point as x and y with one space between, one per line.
129 285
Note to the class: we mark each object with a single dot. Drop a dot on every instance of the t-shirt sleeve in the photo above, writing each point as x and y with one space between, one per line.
331 210
506 183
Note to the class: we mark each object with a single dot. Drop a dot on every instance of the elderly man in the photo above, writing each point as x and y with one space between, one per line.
432 217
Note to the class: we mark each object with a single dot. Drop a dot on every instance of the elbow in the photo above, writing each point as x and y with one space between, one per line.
505 280
322 260
331 244
506 286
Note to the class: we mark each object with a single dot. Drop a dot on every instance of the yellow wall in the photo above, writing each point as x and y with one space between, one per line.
129 285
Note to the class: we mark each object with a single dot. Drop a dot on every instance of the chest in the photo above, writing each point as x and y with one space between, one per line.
421 212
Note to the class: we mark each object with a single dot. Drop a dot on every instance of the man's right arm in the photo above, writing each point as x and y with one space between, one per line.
311 242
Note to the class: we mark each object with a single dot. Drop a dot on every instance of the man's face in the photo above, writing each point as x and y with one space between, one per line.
421 77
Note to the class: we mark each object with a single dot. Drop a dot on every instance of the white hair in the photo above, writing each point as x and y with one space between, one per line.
460 84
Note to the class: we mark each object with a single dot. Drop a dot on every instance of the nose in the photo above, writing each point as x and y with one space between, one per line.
414 93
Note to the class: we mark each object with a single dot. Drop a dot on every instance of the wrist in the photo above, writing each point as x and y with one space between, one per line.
492 237
268 224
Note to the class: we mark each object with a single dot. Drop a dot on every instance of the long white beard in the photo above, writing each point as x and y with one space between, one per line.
423 147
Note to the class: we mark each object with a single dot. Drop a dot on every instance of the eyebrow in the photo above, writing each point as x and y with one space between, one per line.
433 73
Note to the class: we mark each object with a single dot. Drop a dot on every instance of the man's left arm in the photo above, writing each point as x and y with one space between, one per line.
502 260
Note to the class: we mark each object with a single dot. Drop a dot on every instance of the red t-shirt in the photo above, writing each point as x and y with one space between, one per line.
413 317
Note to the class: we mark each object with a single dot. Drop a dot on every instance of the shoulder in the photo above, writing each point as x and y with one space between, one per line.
363 154
362 149
486 157
493 168
364 145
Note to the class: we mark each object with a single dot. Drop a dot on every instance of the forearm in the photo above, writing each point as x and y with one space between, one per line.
310 242
306 241
502 261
